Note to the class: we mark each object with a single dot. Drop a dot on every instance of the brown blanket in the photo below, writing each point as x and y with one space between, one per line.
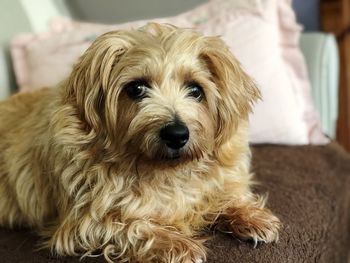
309 189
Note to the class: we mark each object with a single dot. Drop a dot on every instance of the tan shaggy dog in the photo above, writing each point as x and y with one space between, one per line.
143 146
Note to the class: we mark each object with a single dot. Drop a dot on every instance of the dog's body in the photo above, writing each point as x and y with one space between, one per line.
143 146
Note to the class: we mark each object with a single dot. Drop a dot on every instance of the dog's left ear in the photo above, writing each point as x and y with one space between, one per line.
236 90
90 78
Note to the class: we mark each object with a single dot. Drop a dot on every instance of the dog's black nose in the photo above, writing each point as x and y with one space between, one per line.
175 135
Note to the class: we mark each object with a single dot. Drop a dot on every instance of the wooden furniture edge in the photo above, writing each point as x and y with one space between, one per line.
335 18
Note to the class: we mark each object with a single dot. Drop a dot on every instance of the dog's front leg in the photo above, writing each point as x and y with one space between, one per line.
250 220
145 242
137 241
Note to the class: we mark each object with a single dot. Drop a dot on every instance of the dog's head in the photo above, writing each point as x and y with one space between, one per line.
161 93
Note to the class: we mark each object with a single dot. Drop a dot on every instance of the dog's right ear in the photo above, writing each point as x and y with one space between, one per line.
237 92
91 76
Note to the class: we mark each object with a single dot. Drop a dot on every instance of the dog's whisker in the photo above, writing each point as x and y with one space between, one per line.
136 165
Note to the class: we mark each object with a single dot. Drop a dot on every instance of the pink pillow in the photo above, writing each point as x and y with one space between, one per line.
290 34
263 35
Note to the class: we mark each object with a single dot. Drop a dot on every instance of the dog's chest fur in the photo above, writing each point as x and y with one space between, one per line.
173 197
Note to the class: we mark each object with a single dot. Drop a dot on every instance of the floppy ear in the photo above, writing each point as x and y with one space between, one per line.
236 90
91 76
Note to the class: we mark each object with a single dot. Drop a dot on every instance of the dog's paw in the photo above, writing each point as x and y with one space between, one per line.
258 225
195 260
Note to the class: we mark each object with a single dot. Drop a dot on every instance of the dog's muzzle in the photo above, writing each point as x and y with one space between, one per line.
175 135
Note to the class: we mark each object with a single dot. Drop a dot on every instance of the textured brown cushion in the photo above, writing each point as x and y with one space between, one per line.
308 189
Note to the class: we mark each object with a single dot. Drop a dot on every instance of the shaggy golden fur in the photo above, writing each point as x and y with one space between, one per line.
83 163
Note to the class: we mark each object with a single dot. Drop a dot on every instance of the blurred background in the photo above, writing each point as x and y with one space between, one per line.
321 16
30 14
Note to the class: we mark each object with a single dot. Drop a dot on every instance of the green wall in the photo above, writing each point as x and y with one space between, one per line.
13 20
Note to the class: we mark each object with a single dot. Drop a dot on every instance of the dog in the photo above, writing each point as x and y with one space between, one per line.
142 147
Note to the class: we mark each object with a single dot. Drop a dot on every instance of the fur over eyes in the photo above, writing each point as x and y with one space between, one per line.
83 163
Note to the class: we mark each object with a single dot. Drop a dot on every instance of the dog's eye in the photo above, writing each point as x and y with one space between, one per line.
136 90
195 91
